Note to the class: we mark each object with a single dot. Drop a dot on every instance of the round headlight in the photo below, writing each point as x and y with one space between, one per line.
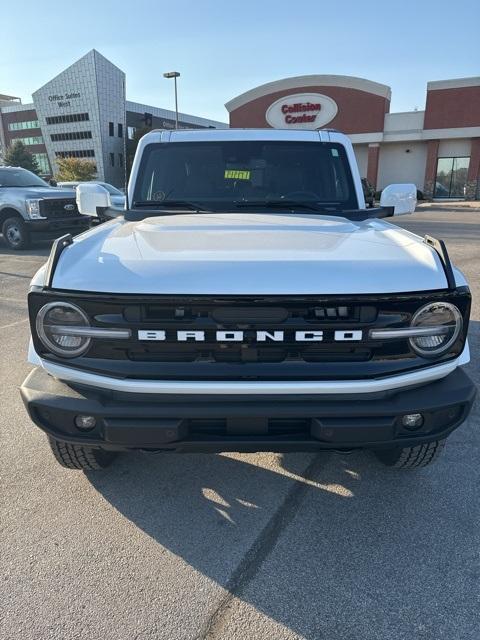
444 321
56 325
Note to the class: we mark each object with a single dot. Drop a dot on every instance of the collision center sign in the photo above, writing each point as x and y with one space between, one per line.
301 111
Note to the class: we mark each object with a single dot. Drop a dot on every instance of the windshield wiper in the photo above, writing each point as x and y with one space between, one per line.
282 204
164 208
355 215
173 204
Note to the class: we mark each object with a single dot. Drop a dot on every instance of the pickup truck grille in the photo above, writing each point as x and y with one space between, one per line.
55 208
157 348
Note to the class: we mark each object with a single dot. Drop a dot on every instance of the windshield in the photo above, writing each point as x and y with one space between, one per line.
20 178
225 175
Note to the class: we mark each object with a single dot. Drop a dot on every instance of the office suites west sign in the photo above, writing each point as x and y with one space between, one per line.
64 100
301 111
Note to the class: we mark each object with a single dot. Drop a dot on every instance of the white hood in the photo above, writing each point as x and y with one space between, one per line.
246 253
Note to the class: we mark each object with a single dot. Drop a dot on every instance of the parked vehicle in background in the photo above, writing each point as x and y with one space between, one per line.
31 209
368 193
248 301
117 198
441 191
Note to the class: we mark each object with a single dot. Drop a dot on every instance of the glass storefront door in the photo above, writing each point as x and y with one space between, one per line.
451 178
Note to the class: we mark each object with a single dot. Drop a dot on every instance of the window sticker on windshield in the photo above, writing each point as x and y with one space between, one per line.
237 174
334 153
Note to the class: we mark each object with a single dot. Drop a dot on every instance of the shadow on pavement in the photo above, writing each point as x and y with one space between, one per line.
363 553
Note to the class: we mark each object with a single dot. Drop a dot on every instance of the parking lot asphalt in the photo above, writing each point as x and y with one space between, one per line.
236 546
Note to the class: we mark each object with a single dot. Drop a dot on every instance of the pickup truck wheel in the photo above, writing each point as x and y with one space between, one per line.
15 233
411 457
75 456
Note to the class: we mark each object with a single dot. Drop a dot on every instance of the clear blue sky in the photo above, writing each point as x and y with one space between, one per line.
223 48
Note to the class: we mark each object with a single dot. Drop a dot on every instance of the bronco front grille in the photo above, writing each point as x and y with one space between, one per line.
345 351
208 318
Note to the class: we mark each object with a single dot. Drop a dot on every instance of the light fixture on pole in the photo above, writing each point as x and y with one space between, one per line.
174 75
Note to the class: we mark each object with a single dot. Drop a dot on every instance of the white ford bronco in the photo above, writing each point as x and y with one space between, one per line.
247 300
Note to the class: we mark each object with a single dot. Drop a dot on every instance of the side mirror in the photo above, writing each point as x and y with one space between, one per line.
91 197
52 182
402 197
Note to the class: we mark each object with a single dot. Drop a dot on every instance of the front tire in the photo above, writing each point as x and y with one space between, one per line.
15 233
75 456
411 457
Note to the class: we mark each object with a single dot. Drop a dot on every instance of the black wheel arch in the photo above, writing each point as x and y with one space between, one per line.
9 212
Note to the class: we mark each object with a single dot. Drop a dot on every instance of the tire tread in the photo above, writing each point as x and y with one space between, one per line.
412 457
74 456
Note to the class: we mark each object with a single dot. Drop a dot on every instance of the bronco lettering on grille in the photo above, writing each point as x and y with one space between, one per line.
159 335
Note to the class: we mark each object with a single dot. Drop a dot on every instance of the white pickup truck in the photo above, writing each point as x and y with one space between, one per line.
247 300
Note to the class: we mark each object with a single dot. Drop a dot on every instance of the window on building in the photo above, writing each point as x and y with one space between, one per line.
43 164
78 153
27 124
112 159
451 178
131 132
70 135
111 129
120 130
30 140
71 117
120 159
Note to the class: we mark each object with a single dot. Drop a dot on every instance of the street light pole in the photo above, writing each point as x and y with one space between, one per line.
176 104
174 75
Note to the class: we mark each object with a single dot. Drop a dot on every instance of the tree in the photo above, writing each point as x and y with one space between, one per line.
75 170
17 155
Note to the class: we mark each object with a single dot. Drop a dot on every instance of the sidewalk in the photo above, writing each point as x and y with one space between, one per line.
459 205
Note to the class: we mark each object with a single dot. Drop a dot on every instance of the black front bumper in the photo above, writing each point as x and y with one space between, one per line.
53 227
253 423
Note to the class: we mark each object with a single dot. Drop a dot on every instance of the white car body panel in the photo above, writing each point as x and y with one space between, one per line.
341 387
249 254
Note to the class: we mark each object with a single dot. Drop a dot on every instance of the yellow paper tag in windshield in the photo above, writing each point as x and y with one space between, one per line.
237 174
